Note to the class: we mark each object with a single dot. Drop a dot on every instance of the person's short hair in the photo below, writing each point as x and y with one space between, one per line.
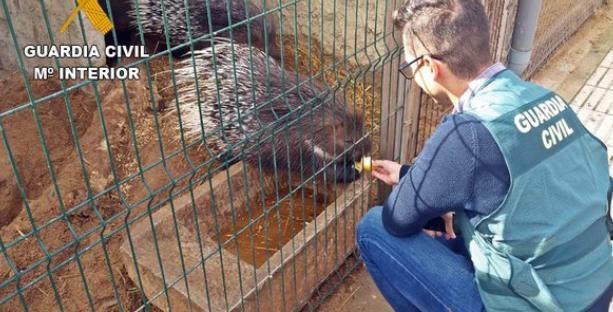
454 31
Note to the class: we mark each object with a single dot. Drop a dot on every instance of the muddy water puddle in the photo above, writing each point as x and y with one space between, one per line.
270 227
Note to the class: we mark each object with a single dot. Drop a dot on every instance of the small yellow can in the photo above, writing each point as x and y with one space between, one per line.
364 164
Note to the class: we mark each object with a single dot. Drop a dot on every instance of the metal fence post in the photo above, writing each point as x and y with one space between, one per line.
400 112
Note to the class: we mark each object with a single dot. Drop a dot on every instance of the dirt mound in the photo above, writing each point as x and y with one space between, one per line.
25 138
60 234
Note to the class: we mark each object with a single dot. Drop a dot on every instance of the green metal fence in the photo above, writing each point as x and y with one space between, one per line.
114 201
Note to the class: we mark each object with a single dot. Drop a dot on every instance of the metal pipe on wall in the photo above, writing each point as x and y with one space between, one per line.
524 32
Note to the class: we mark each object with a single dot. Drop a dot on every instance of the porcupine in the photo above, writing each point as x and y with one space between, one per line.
151 18
315 128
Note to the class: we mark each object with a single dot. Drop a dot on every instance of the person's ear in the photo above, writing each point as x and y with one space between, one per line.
433 66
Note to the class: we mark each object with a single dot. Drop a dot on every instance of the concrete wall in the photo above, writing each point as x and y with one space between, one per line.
30 28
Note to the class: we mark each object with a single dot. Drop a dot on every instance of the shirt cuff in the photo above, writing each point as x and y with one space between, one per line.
403 171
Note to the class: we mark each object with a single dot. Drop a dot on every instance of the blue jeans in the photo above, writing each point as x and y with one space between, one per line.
418 273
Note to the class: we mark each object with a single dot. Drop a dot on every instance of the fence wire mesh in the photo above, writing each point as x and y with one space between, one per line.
221 180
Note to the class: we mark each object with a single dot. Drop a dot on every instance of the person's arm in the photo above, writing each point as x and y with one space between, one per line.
440 181
388 171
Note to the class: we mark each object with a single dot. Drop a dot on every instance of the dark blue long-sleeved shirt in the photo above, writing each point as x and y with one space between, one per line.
460 167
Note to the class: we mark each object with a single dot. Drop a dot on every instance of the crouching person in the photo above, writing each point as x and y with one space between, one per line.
512 167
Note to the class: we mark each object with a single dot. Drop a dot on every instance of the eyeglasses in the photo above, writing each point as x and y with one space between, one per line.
406 69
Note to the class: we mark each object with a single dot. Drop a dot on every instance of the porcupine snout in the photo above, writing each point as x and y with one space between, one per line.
341 141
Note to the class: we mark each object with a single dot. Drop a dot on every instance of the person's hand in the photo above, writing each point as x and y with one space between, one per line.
386 171
448 217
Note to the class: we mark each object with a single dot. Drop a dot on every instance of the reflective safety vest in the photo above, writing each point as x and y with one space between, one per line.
546 248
